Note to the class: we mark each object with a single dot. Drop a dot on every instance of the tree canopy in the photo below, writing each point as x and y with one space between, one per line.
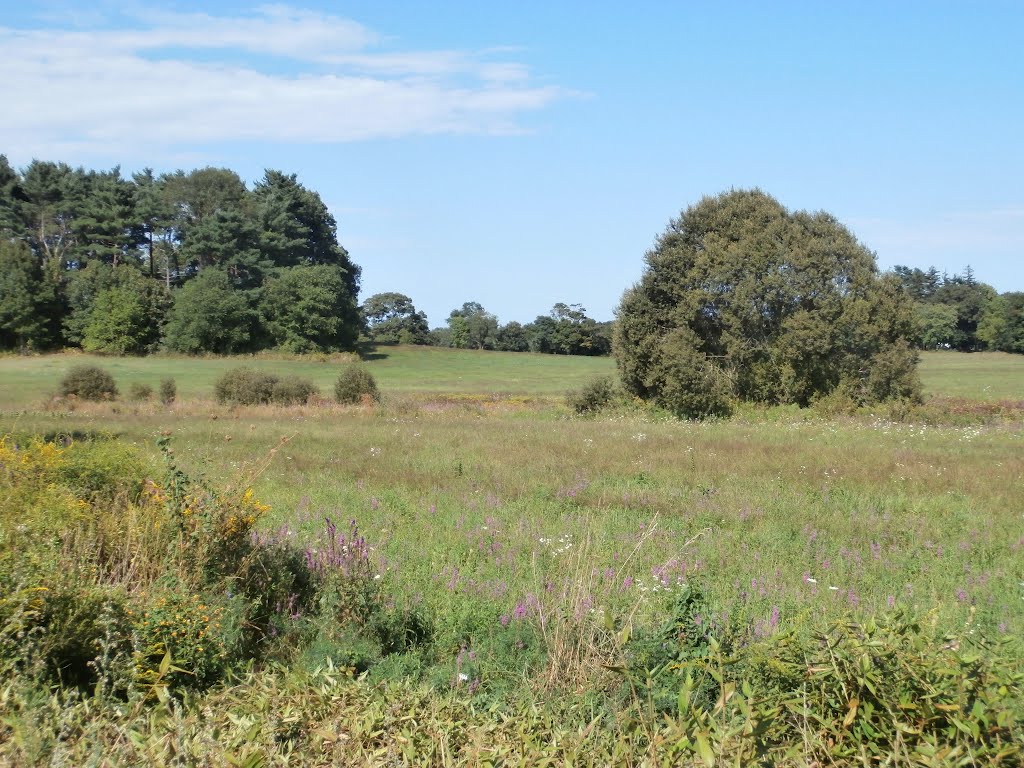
742 299
106 257
391 318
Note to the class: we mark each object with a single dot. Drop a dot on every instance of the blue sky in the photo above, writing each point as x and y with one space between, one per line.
521 154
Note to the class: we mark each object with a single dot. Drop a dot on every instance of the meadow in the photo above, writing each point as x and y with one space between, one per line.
619 589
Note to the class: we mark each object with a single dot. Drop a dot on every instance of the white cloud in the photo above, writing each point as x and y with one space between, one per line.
166 80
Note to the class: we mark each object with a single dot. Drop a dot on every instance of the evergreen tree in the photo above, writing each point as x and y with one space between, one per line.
27 300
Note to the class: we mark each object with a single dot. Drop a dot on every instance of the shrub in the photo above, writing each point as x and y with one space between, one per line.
89 382
293 390
244 386
72 626
592 396
354 383
185 626
140 391
168 391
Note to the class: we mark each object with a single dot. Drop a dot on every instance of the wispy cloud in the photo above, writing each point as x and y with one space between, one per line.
159 80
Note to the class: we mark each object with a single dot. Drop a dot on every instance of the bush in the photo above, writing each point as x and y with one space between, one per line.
244 386
592 396
168 391
72 626
140 391
89 382
293 390
354 383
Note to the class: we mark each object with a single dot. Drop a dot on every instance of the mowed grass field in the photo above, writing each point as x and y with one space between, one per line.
26 382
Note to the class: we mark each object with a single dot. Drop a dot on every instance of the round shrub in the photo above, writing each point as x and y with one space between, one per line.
140 391
355 383
592 396
88 382
244 386
293 390
168 391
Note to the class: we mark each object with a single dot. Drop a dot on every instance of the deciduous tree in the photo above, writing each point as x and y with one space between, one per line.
742 299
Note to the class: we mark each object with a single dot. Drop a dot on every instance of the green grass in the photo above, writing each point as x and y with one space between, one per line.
25 382
978 375
478 513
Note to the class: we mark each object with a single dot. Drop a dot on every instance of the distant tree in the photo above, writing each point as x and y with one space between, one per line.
742 299
472 327
391 318
211 315
50 200
512 337
936 325
105 225
540 334
155 219
918 284
297 229
227 239
120 323
440 337
27 300
1011 333
309 309
12 198
969 298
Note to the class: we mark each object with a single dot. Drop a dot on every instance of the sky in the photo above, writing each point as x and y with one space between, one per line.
520 154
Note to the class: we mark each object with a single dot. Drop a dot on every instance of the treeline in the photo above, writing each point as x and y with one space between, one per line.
199 262
391 318
192 262
958 312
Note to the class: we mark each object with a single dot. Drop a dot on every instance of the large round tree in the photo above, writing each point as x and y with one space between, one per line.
744 300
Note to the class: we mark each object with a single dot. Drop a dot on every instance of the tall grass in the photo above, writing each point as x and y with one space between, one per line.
784 587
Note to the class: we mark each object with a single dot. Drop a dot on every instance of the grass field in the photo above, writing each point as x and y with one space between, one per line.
25 382
518 529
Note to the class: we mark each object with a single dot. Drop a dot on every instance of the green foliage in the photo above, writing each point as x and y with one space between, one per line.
472 327
391 318
27 300
88 382
184 625
724 313
309 309
596 394
936 325
70 625
120 323
168 390
245 386
354 384
210 315
140 391
660 659
293 390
